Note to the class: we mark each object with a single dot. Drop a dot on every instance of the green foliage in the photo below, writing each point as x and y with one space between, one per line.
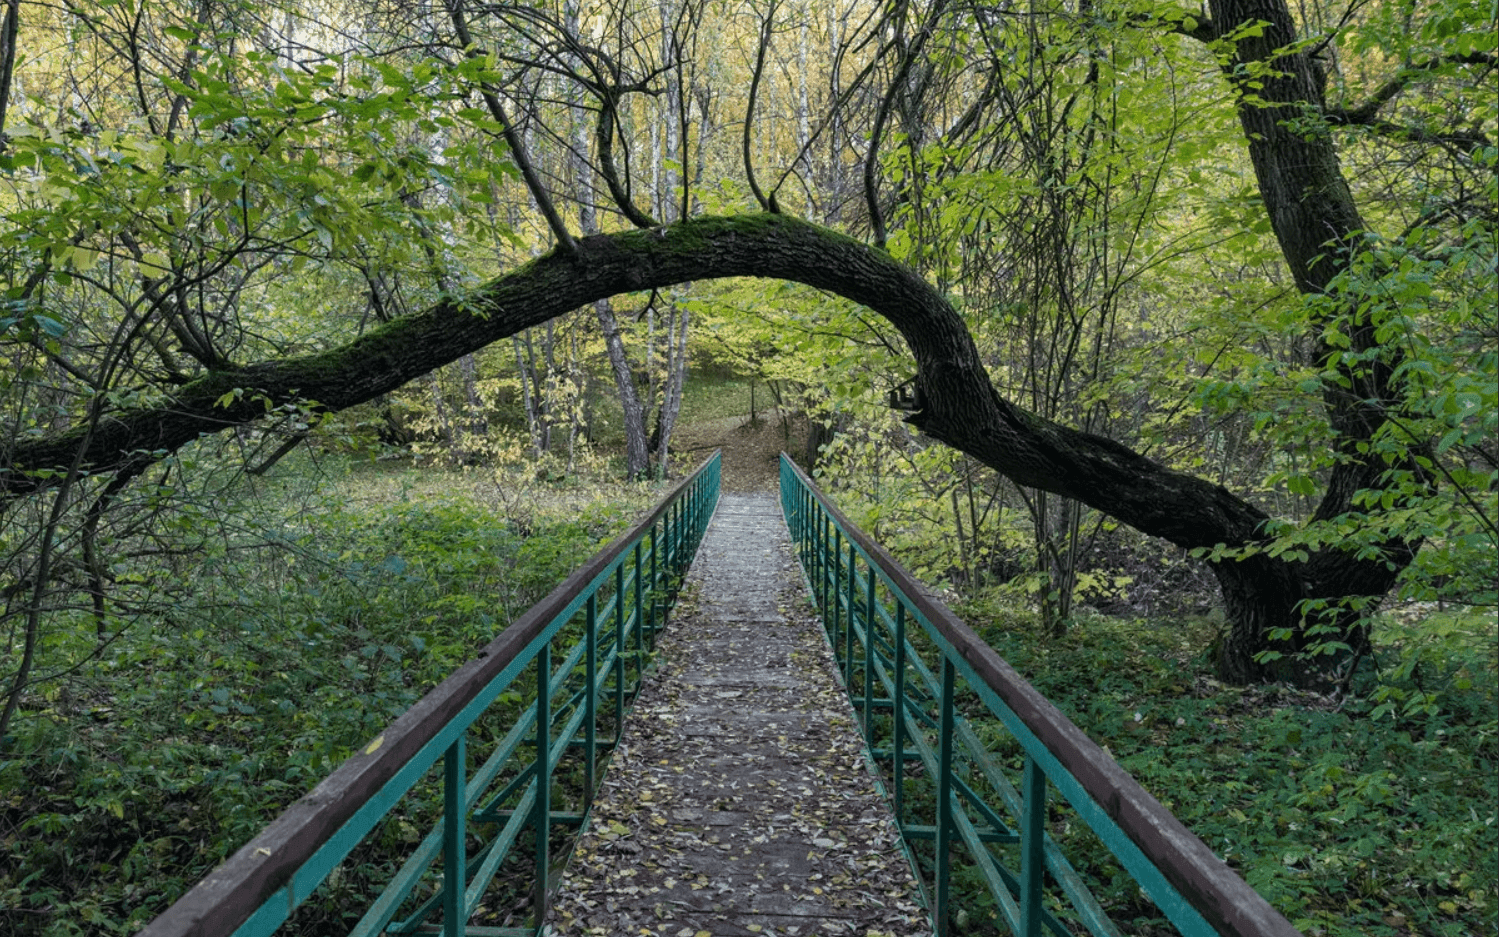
1371 815
323 607
1430 303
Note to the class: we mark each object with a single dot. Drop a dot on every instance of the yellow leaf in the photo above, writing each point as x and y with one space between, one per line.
374 746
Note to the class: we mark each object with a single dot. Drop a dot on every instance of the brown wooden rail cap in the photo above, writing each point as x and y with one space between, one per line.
1216 891
231 893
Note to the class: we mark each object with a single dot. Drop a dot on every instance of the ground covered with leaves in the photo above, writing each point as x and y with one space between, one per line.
740 801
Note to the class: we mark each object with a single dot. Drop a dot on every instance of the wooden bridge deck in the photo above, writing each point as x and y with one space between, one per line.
739 801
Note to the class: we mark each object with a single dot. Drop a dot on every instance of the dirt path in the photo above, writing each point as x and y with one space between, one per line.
750 453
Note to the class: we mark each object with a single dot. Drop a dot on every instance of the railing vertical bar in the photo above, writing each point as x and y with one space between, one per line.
803 524
657 533
671 540
824 541
1032 843
899 712
454 836
640 606
835 599
943 859
871 621
818 571
543 809
619 649
848 634
590 700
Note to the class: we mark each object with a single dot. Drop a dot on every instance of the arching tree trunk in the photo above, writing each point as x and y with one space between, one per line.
956 403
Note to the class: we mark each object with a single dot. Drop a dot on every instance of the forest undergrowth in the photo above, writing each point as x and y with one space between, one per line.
1372 812
335 595
1351 814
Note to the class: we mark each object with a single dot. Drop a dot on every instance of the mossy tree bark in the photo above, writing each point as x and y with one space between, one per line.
959 406
1282 109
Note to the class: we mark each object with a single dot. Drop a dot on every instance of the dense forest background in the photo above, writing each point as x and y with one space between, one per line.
1163 336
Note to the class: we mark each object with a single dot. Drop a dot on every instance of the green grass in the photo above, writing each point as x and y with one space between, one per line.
1350 818
706 398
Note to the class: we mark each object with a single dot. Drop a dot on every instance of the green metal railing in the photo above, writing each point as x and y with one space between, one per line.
952 795
576 658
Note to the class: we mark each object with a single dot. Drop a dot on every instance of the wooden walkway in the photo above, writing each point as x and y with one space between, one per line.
739 801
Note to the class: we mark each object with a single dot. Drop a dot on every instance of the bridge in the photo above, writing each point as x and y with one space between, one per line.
741 717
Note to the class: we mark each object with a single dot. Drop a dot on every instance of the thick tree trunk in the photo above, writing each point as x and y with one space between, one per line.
1319 229
1273 634
958 405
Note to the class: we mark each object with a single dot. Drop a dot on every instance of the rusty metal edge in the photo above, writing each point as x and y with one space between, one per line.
1207 883
225 898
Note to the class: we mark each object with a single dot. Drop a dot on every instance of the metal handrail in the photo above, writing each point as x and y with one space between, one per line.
610 609
867 616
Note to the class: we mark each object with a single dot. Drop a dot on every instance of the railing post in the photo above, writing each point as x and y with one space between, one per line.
676 537
454 836
619 648
822 564
898 713
871 619
1032 846
672 535
848 634
943 859
640 606
656 533
801 518
590 698
543 810
836 590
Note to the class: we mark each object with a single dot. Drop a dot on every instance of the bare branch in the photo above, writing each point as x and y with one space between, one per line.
605 139
512 139
768 204
1364 114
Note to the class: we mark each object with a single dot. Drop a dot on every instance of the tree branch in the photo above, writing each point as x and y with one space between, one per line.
1367 113
1466 140
871 160
767 204
1387 92
959 405
512 139
605 139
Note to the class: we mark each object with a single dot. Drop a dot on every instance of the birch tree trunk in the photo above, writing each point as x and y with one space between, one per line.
637 456
673 150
